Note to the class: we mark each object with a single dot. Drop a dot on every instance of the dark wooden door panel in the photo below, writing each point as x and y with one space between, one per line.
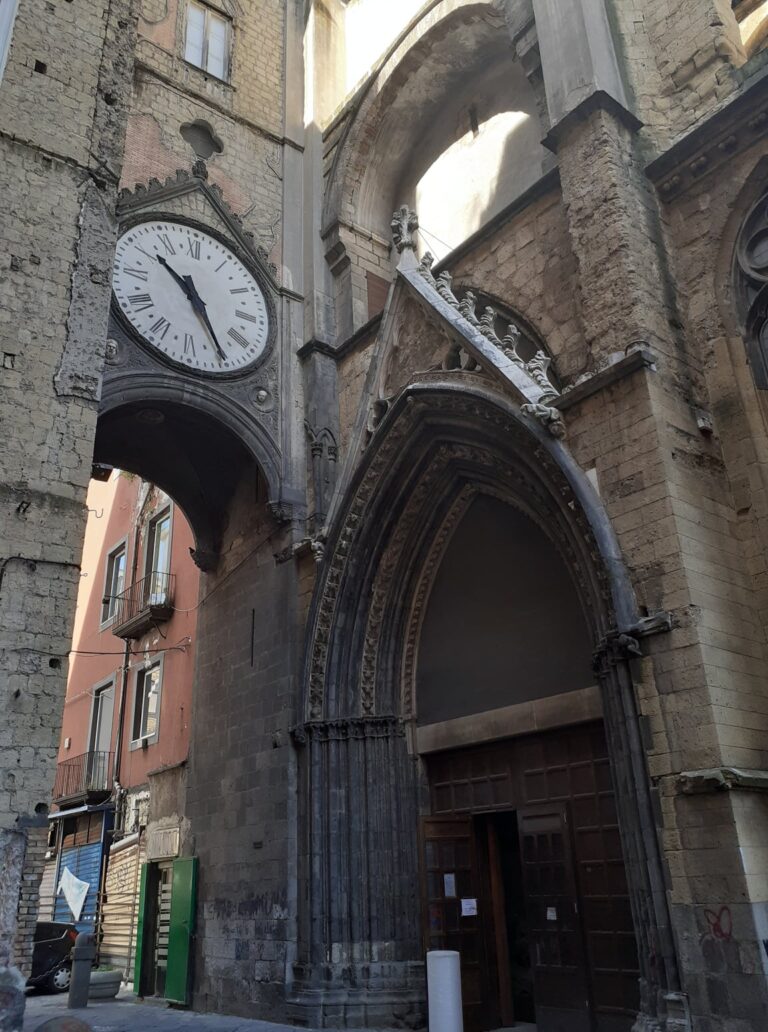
543 774
449 874
554 926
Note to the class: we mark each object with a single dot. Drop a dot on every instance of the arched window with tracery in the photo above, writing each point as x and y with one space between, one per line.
751 274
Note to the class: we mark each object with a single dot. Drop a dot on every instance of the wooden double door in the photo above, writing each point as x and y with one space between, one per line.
533 896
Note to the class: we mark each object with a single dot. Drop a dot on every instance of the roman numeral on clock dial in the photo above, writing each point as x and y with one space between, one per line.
139 274
238 338
247 316
161 327
141 301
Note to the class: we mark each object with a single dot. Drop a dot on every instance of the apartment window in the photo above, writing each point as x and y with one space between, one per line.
114 582
101 718
158 559
207 41
146 712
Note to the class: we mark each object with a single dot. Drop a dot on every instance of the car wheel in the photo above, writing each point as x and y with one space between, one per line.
58 980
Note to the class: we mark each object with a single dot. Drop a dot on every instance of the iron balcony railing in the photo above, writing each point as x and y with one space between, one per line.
148 601
84 775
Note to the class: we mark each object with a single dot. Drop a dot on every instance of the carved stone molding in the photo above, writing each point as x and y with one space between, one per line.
343 730
404 224
423 589
491 464
614 649
538 391
722 779
751 274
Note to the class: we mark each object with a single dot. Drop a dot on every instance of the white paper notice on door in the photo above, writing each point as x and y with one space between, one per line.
468 907
551 914
449 885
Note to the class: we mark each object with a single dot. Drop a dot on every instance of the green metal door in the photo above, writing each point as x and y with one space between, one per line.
140 931
183 901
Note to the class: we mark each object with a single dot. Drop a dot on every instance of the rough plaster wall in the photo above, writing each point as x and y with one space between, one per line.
62 120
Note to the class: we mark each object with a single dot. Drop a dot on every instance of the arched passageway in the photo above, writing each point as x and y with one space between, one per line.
187 445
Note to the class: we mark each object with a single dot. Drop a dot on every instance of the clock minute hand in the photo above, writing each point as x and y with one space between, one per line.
200 307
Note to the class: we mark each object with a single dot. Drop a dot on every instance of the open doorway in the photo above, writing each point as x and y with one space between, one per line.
511 940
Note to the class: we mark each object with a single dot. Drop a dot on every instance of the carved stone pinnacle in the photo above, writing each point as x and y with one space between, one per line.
404 225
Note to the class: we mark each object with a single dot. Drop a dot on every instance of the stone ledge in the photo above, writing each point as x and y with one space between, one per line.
599 100
642 358
721 779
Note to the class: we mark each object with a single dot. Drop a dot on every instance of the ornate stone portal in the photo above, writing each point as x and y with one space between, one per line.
444 437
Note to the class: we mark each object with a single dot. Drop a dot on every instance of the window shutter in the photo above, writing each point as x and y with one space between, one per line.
193 51
217 46
183 903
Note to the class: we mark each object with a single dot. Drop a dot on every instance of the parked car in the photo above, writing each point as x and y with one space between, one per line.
51 956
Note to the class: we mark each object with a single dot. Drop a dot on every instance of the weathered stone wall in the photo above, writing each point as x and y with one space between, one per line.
679 60
240 789
603 267
528 263
62 122
34 862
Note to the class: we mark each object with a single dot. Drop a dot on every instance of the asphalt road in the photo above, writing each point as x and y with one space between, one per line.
125 1013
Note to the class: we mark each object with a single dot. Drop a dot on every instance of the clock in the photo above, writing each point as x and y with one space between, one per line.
190 298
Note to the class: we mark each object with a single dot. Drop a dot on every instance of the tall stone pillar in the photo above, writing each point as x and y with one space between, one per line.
661 1002
360 961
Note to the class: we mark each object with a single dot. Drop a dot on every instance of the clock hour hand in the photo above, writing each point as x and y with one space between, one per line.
199 306
179 279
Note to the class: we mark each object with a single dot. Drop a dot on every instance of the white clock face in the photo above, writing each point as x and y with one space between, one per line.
190 297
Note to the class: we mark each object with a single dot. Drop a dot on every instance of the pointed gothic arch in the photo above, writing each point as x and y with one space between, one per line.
441 442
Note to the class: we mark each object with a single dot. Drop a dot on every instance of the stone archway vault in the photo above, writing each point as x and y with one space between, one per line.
359 932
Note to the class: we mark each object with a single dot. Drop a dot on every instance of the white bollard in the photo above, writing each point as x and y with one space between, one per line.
444 991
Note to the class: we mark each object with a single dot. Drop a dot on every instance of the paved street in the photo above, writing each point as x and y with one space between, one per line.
125 1013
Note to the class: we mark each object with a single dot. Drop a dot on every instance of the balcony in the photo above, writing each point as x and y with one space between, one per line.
145 604
86 778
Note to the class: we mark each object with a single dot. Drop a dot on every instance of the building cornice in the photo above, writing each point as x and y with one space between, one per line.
734 128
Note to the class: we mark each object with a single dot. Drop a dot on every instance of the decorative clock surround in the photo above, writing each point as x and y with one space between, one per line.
195 379
250 386
188 298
